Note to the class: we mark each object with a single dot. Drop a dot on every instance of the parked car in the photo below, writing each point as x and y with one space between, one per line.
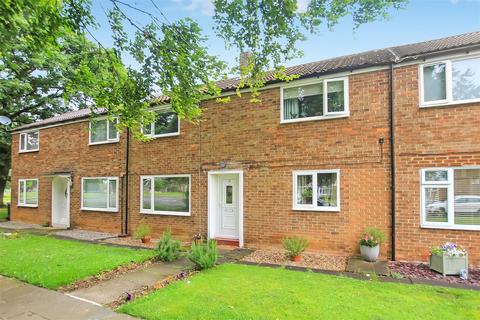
466 203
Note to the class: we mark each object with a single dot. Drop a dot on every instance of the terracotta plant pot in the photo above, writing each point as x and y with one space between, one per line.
146 239
297 258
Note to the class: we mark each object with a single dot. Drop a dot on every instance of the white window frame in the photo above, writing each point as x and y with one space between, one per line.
109 140
313 206
23 202
152 135
450 186
152 196
25 134
108 209
326 115
448 83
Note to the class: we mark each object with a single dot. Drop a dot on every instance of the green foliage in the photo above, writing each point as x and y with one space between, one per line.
204 255
168 249
372 237
142 231
233 291
396 275
295 245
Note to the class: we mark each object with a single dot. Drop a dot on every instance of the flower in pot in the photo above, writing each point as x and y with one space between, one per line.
295 247
143 233
449 259
370 244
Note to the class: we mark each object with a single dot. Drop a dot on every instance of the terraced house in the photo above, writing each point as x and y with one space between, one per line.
387 138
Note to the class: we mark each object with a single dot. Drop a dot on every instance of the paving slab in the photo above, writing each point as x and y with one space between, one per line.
15 225
20 301
85 235
109 291
358 265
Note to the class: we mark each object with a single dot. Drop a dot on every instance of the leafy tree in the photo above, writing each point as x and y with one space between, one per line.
48 65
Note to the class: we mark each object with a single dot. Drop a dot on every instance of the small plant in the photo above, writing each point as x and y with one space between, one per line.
168 249
449 249
396 275
295 246
204 255
142 233
372 237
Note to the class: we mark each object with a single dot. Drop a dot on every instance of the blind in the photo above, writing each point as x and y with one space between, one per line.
467 196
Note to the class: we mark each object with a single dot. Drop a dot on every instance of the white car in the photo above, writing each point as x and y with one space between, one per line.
467 204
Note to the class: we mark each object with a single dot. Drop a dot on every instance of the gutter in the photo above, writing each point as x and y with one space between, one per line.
127 173
392 160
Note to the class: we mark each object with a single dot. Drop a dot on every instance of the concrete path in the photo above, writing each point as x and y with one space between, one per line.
110 290
21 301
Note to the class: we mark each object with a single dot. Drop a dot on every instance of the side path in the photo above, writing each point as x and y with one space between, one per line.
21 301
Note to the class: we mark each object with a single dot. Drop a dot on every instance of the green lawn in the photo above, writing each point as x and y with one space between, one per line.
250 292
3 213
51 263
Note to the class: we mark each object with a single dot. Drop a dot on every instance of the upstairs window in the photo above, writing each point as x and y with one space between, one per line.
451 198
316 190
321 100
28 192
450 82
166 124
29 141
103 131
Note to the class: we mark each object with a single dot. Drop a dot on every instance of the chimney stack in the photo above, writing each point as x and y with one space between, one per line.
244 57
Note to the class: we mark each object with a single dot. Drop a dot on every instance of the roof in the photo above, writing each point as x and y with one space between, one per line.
349 62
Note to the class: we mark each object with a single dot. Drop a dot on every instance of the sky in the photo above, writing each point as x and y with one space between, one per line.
420 20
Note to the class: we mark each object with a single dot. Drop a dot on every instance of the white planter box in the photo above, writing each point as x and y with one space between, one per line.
447 265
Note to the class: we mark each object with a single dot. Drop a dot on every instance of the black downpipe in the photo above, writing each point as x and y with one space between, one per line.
392 159
127 173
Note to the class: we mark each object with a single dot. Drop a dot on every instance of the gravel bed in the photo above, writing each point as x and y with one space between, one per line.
84 234
422 271
309 260
129 241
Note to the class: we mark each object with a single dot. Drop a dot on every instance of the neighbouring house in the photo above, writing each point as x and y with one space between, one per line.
314 158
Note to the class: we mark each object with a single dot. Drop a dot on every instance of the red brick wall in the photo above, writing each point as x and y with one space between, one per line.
429 137
65 148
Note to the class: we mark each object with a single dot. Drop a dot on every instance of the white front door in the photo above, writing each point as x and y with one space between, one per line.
61 202
228 219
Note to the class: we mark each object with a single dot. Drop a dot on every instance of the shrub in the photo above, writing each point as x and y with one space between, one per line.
168 249
295 245
372 237
142 231
204 255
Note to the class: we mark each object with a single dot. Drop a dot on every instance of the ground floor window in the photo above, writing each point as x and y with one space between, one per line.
168 195
100 193
451 198
28 192
317 190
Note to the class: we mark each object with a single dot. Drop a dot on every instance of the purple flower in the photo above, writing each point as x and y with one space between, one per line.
129 296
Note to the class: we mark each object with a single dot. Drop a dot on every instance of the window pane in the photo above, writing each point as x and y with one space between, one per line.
171 194
436 175
304 189
32 140
466 79
303 102
327 190
335 96
95 193
229 195
99 131
166 122
21 194
112 193
467 196
112 130
22 141
31 192
147 194
434 85
147 130
436 204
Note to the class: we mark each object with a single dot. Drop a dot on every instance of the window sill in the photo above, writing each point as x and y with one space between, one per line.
163 135
167 213
318 209
28 205
28 151
337 116
100 209
450 227
448 104
103 142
